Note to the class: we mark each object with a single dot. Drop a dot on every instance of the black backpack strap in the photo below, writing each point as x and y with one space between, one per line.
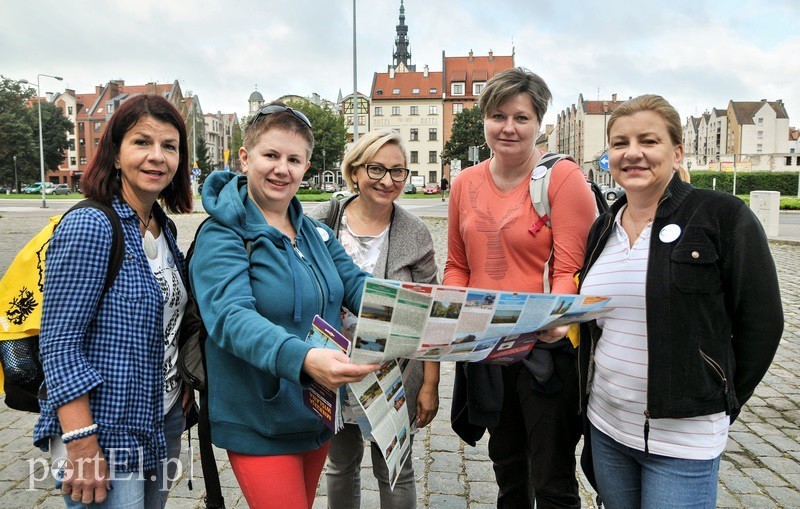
117 237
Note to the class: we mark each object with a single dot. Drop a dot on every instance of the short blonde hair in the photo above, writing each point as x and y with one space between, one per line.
365 149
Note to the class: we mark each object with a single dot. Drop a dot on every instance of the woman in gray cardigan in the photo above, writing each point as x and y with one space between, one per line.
389 242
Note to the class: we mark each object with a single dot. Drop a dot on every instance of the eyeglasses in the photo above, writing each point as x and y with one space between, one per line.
376 172
277 108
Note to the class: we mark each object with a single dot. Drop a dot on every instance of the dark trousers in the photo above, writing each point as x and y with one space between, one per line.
533 447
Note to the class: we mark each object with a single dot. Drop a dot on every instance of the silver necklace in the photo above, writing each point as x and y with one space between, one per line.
148 241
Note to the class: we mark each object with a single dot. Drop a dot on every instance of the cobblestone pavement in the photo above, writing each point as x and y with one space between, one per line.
760 467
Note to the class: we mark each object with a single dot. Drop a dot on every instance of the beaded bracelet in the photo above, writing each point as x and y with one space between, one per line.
76 434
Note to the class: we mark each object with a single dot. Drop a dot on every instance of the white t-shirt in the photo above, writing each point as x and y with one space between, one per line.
174 297
618 395
365 251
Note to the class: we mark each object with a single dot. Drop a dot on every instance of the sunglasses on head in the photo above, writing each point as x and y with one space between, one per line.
277 108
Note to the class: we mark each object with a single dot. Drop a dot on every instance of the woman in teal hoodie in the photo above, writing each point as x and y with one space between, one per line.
260 272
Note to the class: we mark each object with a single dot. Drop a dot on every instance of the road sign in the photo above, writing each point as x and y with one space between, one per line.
603 162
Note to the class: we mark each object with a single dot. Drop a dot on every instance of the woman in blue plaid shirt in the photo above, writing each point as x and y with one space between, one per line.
115 405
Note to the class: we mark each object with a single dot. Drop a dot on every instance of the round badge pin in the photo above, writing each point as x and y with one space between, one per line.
323 234
539 172
169 261
669 233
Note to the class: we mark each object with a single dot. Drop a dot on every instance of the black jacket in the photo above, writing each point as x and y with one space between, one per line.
714 315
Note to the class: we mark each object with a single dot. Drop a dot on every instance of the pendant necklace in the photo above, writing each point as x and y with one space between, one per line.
635 224
148 241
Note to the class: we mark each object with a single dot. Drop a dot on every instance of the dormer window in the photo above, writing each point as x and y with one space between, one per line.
457 88
396 91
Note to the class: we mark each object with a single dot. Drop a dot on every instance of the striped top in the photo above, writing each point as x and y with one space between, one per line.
618 396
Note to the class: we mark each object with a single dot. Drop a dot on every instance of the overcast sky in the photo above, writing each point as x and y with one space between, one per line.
698 54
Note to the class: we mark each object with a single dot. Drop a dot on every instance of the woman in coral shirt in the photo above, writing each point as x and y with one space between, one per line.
531 407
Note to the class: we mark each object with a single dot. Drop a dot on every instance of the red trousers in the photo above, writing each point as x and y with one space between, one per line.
286 481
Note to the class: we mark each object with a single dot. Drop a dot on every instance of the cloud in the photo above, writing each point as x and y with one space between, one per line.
697 53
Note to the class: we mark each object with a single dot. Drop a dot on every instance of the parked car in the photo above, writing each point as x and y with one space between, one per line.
614 193
328 187
36 188
341 195
409 188
58 189
305 184
431 188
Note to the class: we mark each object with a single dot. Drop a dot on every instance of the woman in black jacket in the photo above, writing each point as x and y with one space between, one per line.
697 321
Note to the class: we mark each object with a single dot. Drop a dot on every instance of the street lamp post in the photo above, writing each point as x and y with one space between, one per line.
41 142
16 182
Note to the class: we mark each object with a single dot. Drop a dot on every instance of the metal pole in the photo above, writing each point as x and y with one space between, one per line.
355 79
41 142
734 174
16 181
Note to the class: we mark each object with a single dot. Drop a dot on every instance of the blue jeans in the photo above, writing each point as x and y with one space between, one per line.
134 490
627 479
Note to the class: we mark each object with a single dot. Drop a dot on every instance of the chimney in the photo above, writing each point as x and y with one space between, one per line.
151 88
69 91
491 55
470 56
49 96
425 71
613 97
98 89
391 73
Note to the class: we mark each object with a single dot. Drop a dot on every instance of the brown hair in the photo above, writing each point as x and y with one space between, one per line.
365 149
282 120
656 104
511 82
660 106
100 181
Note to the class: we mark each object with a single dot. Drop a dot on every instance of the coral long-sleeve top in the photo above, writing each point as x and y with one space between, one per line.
488 242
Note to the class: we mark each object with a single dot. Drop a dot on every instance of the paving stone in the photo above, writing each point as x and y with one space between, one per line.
782 465
738 483
438 501
447 443
755 501
725 499
447 483
764 477
479 471
786 497
485 492
445 462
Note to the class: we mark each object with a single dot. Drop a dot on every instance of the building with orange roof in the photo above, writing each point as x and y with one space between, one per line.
411 103
465 78
89 112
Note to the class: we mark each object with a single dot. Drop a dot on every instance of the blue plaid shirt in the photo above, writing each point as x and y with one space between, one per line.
109 345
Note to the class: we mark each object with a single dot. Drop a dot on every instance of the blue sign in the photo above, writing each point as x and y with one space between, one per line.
227 168
603 162
196 172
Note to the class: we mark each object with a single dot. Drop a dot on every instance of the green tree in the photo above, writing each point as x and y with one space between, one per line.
467 132
19 132
18 136
204 159
237 140
330 136
55 127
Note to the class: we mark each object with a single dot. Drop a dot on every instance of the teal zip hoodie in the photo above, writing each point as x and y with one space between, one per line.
257 305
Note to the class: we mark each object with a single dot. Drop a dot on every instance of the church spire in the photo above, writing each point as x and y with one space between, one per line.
402 58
